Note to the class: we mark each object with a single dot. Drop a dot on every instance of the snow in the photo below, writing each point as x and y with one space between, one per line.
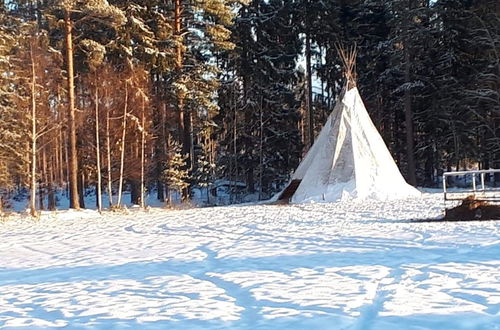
20 204
347 265
349 160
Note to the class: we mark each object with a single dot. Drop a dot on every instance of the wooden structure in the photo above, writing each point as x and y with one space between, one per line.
479 188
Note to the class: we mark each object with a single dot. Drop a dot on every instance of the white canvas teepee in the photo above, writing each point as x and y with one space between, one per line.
349 159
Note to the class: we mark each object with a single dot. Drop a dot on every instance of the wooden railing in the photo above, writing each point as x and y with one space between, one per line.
478 188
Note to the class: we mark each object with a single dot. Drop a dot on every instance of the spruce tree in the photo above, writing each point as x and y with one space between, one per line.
261 141
175 173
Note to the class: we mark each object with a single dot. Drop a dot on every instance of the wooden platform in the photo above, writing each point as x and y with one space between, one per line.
290 190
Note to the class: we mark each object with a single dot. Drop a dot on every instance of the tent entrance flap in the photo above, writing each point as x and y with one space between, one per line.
290 190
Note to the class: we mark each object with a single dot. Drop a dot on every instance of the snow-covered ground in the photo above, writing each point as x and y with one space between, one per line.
349 265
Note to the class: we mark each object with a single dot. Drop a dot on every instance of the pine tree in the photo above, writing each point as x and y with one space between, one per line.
94 22
13 124
201 31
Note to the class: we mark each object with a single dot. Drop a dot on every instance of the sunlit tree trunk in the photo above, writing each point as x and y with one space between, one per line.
160 154
122 147
108 156
33 134
73 157
143 146
43 179
51 198
98 148
185 120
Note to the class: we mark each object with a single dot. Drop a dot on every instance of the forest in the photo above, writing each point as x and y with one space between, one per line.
162 96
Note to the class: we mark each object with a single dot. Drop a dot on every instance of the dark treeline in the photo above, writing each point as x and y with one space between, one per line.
162 96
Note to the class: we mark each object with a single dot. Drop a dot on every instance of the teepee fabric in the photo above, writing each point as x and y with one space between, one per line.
349 160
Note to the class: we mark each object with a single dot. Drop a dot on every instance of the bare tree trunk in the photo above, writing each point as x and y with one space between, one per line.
261 152
55 167
135 192
409 139
73 161
60 145
190 141
108 154
66 162
310 114
33 134
98 148
235 141
178 66
143 145
409 116
122 148
184 119
208 194
160 153
43 179
40 195
51 200
81 189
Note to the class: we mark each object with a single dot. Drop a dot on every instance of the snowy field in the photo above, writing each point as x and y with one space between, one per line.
361 265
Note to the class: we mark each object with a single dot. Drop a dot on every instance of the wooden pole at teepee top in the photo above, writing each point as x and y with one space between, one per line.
348 56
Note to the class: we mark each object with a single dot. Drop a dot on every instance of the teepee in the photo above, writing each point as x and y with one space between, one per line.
349 159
